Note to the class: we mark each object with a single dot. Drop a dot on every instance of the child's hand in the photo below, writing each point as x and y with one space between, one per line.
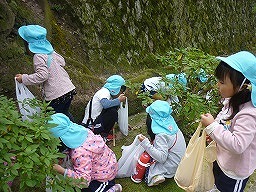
207 119
122 97
141 137
208 139
59 169
19 78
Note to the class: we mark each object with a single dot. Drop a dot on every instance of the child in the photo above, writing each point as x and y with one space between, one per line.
155 84
168 143
234 129
49 69
101 112
92 159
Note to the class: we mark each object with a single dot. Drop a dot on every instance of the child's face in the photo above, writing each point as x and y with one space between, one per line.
226 88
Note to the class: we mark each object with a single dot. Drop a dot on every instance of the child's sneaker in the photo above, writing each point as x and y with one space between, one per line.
156 180
118 187
115 188
110 137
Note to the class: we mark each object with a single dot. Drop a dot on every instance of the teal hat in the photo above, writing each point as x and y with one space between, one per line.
244 62
71 134
35 35
202 76
162 121
114 83
181 78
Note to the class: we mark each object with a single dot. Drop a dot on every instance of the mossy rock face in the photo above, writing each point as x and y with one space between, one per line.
7 19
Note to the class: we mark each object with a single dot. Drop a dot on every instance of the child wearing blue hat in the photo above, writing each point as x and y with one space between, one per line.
49 69
168 146
101 112
91 158
155 84
234 128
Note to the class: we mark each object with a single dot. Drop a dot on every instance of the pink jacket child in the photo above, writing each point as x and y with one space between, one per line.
92 159
234 128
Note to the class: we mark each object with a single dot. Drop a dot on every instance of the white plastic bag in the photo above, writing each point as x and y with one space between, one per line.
194 172
129 158
123 117
24 94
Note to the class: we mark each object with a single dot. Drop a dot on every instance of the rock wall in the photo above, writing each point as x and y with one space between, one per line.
128 31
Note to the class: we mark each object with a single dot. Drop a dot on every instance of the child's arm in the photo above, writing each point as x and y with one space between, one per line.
106 103
158 151
59 169
41 72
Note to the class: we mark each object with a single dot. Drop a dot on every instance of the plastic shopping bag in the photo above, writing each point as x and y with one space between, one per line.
123 117
129 158
23 96
194 172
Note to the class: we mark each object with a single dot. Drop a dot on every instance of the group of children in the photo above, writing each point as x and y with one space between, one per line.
233 130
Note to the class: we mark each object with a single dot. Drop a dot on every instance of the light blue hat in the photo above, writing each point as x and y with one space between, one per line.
162 121
202 76
114 83
244 62
181 78
71 134
35 35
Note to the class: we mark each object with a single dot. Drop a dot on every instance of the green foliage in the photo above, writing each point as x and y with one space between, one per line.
27 148
198 97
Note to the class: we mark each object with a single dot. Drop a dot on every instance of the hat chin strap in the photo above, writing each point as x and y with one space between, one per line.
242 84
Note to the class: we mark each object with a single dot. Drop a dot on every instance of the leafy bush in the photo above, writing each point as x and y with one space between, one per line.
28 149
198 97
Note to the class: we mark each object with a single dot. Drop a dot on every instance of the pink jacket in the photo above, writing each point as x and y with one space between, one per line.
94 160
236 141
55 79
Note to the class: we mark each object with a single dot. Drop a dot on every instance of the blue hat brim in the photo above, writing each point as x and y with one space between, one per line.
231 63
71 134
166 125
41 47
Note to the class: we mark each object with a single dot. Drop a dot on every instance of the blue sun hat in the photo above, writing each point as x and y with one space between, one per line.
162 121
181 78
244 62
35 35
114 83
71 134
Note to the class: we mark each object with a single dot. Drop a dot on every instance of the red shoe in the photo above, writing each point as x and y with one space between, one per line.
110 137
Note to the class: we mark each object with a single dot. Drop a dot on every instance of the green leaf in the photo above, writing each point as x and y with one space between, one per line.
6 121
14 172
45 136
31 183
2 140
35 158
47 162
29 139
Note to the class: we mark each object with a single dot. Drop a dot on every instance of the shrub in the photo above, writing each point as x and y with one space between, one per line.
198 97
28 149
